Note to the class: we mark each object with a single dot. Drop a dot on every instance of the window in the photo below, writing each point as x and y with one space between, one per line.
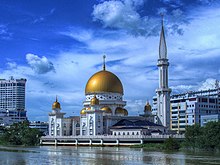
204 100
212 100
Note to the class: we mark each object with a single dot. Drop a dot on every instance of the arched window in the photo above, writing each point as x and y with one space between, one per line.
127 133
123 133
132 133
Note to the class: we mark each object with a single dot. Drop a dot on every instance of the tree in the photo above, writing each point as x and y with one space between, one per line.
211 136
21 134
206 137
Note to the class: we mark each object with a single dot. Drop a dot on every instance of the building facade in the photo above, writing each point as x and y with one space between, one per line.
193 107
41 126
61 126
12 101
103 105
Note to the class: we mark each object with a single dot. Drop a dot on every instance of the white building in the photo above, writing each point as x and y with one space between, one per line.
194 107
41 126
163 92
61 126
12 101
103 105
209 118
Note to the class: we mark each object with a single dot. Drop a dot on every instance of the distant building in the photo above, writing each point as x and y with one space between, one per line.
41 126
12 101
209 118
197 107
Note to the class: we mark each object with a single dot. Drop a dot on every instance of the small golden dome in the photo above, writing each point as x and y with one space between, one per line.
56 105
119 110
125 112
94 101
147 107
82 112
106 109
104 81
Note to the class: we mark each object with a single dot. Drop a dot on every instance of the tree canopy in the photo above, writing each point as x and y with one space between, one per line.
20 134
207 137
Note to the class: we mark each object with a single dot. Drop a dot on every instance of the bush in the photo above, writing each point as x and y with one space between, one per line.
171 144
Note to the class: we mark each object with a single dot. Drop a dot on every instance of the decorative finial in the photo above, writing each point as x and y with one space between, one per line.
162 16
104 56
56 98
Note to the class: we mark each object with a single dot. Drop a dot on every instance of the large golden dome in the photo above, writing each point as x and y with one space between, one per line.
104 81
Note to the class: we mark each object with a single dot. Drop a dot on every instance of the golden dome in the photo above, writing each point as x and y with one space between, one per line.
120 110
82 112
106 109
104 81
147 107
94 101
56 105
125 112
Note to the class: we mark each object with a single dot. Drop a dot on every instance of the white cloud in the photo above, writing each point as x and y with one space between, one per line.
209 83
121 15
124 15
11 65
39 65
4 33
78 34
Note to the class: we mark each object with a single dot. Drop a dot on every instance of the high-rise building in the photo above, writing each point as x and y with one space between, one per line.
12 101
192 107
163 92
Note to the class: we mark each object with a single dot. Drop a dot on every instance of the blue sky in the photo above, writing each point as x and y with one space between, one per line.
57 45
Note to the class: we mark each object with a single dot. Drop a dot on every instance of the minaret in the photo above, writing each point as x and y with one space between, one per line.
163 92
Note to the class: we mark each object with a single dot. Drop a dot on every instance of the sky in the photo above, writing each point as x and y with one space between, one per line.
58 45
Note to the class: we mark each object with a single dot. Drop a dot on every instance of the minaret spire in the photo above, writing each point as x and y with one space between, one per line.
163 92
104 56
162 46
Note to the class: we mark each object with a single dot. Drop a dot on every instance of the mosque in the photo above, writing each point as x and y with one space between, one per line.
104 111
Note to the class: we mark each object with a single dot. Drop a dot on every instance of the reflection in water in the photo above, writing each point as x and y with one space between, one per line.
100 155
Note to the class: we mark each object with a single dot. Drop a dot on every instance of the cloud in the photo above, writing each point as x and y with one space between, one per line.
11 65
78 34
209 83
4 33
39 65
125 15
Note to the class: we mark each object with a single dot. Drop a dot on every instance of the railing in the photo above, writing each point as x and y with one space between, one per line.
116 136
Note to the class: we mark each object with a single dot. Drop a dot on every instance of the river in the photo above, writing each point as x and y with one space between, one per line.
68 155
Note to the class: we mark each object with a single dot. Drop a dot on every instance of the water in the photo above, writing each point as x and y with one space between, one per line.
68 155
